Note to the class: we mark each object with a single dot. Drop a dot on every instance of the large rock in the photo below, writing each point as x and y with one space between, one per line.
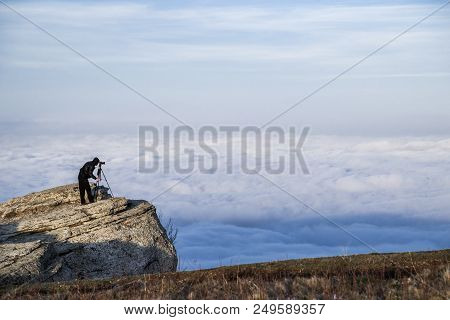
48 236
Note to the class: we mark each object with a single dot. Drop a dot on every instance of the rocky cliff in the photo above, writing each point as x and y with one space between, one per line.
48 236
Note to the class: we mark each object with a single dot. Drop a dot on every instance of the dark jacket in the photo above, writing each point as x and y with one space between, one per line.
87 171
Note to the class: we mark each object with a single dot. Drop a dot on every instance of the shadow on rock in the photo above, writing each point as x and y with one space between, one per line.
39 257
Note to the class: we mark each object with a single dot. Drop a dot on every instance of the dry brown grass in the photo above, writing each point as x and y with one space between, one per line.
420 275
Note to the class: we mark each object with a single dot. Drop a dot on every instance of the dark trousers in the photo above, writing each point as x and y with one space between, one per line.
84 186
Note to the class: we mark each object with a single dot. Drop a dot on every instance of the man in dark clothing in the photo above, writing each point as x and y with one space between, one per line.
87 172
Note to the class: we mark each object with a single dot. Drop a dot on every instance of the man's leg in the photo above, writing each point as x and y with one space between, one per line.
82 188
89 192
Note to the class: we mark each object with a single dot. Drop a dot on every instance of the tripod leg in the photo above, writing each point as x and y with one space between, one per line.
112 194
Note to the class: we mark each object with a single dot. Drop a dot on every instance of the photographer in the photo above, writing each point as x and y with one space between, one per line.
87 172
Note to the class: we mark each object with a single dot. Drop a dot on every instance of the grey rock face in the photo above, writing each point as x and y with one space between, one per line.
48 236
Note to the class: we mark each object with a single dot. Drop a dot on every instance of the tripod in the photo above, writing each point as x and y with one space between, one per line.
99 177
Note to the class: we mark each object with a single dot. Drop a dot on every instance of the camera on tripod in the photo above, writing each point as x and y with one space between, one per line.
101 192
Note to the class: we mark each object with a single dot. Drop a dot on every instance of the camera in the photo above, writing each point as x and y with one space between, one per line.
102 162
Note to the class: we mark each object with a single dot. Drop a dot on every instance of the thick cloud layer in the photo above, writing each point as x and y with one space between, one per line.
392 193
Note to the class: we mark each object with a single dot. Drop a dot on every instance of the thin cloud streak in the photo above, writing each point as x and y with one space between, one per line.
207 34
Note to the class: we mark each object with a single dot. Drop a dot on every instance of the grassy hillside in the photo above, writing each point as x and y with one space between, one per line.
420 275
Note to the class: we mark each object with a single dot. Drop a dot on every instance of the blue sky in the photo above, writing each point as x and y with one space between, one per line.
380 148
210 61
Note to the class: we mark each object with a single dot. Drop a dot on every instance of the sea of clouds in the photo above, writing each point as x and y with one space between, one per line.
392 193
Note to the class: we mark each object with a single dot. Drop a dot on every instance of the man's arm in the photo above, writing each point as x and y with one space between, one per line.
91 171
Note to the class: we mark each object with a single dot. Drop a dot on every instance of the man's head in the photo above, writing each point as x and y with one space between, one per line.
96 161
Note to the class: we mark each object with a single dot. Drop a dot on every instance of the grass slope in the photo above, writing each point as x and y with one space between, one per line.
419 275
